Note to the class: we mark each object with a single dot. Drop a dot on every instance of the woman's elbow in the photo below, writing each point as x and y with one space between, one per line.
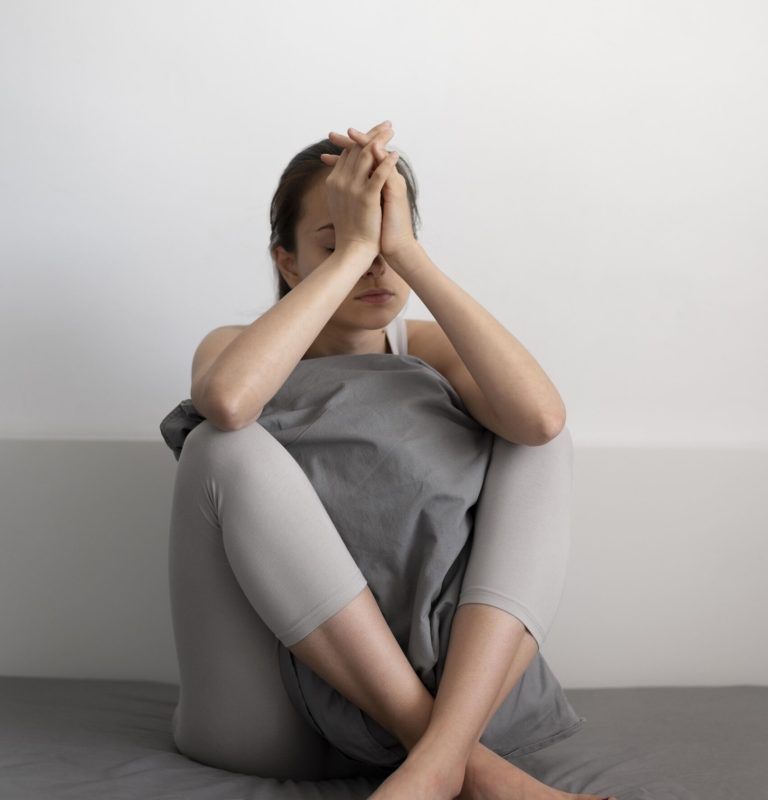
550 428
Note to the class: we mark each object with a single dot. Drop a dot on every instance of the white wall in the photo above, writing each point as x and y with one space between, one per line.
594 173
665 587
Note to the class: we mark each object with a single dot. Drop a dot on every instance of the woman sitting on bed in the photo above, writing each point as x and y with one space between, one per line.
347 256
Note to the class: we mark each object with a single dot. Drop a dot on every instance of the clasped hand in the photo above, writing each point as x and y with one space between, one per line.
396 227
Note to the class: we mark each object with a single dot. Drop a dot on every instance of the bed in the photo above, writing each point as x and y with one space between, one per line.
69 738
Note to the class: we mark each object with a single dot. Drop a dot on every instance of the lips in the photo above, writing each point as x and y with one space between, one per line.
375 293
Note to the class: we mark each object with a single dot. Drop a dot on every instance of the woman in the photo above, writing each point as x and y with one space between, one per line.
342 226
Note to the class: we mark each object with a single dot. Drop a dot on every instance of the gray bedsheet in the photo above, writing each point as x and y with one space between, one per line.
399 464
89 740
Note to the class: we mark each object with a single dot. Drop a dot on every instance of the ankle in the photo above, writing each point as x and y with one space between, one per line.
446 771
479 760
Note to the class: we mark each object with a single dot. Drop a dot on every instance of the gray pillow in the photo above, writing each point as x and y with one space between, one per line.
399 463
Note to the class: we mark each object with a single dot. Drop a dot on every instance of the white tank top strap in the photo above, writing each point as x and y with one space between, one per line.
397 334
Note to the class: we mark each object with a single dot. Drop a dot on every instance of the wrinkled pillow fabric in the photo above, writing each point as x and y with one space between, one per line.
399 464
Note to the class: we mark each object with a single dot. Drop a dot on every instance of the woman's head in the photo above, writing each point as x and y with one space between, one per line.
299 206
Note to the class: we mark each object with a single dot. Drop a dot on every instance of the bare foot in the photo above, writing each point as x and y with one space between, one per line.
489 777
421 778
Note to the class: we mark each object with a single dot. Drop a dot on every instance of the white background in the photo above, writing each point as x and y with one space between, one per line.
594 173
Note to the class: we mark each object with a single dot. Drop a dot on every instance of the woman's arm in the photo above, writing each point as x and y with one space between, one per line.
521 400
248 373
251 369
525 402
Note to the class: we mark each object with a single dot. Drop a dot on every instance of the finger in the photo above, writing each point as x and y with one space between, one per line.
380 151
341 139
348 144
344 157
356 147
362 157
378 156
383 130
385 134
356 137
376 143
384 170
381 126
340 162
360 137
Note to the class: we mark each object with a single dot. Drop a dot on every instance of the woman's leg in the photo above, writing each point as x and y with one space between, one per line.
522 532
253 558
510 591
210 724
511 588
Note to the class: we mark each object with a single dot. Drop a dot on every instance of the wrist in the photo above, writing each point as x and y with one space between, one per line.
357 248
406 258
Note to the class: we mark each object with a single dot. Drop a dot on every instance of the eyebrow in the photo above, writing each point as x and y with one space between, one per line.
327 225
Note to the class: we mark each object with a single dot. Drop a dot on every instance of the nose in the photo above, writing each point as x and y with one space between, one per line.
377 267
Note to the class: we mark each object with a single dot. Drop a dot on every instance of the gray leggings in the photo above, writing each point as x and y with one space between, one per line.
254 559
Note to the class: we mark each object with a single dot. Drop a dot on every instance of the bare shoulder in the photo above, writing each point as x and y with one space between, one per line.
413 325
432 345
424 341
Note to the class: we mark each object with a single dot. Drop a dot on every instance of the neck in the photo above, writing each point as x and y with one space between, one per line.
320 349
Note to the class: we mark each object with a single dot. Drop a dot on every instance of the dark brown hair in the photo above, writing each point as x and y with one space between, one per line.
297 178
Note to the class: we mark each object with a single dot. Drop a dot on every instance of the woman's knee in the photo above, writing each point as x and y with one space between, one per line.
556 453
252 444
560 447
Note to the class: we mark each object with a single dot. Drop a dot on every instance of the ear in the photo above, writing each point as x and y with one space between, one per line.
286 263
